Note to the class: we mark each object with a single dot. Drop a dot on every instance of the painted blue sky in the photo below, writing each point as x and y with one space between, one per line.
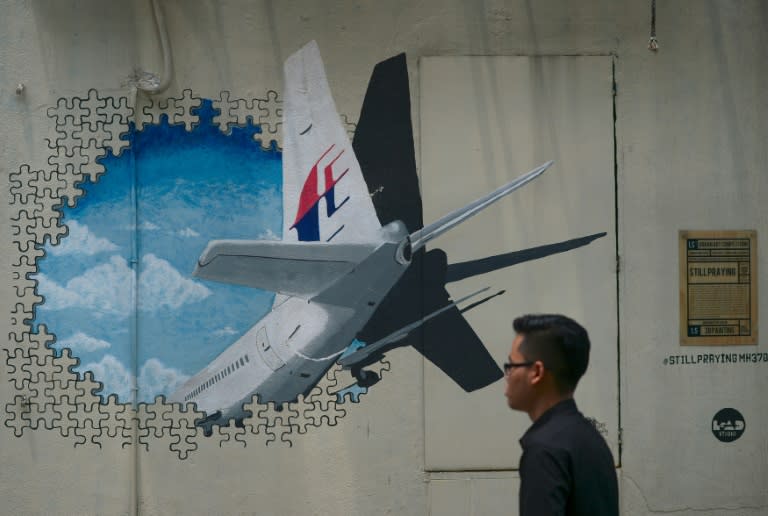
191 187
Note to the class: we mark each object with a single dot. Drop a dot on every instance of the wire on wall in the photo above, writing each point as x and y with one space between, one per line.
653 43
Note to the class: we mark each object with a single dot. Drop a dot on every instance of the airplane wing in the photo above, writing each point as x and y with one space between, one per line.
370 349
296 269
325 197
447 340
383 144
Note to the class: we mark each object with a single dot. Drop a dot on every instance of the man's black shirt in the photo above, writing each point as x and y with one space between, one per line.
566 467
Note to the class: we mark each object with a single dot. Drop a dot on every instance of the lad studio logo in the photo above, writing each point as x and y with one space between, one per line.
728 425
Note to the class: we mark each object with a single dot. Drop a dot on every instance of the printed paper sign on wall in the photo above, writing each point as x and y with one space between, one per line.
718 288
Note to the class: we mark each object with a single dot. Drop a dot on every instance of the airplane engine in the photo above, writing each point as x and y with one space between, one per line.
404 252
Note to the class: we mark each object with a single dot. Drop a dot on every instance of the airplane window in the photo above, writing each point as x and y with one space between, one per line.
242 362
246 358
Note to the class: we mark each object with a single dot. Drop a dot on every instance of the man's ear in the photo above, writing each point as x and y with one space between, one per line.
537 372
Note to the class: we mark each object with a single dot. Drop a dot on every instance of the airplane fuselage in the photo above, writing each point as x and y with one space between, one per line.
287 352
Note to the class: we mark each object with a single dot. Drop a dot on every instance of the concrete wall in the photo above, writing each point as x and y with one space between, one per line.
690 152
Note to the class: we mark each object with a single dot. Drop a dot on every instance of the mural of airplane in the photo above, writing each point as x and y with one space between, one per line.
352 264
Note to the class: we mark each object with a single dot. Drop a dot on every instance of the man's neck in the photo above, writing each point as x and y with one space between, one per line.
546 402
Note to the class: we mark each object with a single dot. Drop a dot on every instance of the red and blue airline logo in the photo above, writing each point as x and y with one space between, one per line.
307 222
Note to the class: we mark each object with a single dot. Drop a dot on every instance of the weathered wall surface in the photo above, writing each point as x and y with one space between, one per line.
690 154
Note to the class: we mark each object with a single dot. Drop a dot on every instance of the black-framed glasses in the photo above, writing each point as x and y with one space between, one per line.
512 365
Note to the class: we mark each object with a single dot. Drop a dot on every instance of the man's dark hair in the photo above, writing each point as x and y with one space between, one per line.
559 342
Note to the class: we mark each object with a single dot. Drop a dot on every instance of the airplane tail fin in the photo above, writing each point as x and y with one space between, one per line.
383 144
463 357
422 236
325 197
447 340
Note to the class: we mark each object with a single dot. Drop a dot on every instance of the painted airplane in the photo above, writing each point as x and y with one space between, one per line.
350 260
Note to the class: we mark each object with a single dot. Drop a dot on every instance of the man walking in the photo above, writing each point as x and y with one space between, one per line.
566 467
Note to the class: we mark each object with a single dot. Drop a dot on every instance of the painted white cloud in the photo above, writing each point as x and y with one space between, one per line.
115 377
155 379
82 342
225 331
160 285
56 296
144 226
269 235
105 289
81 240
108 288
188 233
